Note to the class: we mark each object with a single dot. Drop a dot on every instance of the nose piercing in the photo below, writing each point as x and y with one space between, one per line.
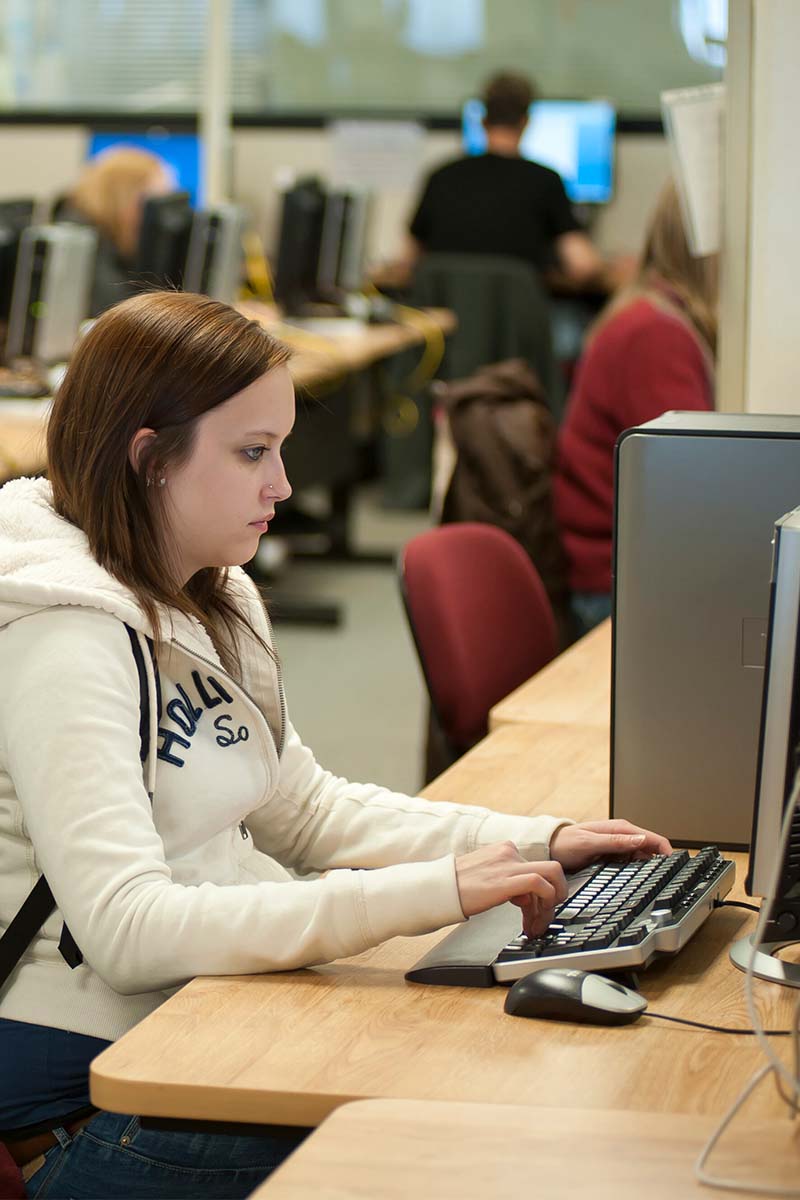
272 487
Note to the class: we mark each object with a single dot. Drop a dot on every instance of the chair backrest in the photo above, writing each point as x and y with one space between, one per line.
11 1185
480 618
503 312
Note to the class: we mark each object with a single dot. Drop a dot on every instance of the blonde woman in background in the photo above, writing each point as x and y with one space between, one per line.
651 350
110 196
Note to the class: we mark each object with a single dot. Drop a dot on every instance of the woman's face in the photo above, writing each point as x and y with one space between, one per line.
217 503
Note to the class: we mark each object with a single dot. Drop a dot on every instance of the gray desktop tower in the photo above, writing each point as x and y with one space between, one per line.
52 291
215 257
697 497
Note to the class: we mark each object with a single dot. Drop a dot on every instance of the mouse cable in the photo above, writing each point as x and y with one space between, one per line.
736 904
718 1028
736 1185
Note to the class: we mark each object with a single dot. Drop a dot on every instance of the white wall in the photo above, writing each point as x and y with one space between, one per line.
772 378
44 160
39 160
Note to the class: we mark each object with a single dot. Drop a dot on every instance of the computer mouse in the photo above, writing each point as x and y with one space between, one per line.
565 994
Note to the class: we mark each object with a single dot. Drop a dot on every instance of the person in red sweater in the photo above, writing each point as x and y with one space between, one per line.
650 351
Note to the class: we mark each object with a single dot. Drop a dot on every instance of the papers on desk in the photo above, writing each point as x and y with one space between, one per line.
376 154
693 120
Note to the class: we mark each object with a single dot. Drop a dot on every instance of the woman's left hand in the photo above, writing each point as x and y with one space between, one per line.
576 846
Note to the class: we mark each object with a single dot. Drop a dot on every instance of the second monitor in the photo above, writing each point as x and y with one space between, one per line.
321 246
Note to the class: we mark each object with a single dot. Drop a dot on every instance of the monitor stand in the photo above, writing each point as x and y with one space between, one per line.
766 963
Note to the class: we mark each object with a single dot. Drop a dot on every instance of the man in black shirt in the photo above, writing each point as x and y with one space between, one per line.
500 203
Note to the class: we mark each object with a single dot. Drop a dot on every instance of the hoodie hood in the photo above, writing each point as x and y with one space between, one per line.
45 562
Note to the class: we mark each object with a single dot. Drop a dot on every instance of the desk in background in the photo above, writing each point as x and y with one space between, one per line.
293 1047
317 363
393 1149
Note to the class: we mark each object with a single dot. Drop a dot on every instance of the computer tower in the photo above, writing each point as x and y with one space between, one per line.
52 291
215 255
697 497
342 252
354 241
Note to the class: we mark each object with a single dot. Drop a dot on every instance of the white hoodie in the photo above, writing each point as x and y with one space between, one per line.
195 884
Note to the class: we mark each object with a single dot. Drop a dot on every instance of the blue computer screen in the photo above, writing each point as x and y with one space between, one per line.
574 137
180 151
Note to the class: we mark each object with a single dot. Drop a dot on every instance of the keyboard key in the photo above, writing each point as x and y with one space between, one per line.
632 936
598 941
568 914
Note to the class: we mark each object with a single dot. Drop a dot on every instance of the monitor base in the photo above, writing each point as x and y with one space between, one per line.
766 964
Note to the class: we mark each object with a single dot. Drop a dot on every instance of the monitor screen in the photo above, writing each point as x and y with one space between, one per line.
779 740
180 152
573 137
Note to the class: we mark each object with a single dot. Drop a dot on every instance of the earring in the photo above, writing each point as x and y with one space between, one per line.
149 481
162 481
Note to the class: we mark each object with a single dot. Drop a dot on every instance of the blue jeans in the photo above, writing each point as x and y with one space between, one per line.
112 1156
589 609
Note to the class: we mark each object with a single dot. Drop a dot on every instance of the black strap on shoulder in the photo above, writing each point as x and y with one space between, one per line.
40 903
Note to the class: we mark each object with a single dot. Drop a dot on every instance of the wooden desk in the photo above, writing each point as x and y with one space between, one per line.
22 438
574 688
320 359
393 1149
317 362
293 1047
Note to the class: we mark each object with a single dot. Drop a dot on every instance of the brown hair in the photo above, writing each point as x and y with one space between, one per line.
507 98
160 361
109 185
667 259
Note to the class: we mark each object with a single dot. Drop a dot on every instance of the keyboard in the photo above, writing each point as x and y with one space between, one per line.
617 916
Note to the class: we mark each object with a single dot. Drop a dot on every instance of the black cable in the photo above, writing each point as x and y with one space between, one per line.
719 1028
736 904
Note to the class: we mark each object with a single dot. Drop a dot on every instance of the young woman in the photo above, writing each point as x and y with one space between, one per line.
110 196
650 351
165 469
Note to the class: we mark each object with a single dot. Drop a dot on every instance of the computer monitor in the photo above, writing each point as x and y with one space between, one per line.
296 268
774 870
573 137
160 259
15 216
181 153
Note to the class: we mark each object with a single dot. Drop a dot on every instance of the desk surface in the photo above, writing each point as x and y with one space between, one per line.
393 1149
574 688
292 1047
317 361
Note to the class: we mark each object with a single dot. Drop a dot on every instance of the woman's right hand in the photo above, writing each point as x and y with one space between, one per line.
497 873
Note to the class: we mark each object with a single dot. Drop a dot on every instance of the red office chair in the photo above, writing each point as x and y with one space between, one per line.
11 1185
481 621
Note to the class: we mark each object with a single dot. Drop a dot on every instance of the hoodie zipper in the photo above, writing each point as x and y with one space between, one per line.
216 667
279 674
